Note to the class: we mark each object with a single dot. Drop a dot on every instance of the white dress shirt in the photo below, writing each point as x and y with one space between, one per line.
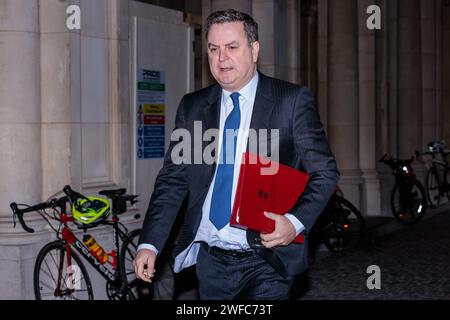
228 237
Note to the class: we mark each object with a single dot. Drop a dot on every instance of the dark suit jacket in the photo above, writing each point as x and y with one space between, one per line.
302 145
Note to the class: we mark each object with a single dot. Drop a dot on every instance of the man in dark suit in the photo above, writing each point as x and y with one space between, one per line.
229 262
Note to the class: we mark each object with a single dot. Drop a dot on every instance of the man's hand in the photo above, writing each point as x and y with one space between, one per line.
283 234
144 265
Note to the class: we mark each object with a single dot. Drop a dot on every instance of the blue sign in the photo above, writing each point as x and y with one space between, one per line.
153 152
154 142
150 137
154 131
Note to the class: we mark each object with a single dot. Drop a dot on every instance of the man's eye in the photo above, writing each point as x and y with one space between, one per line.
213 50
233 48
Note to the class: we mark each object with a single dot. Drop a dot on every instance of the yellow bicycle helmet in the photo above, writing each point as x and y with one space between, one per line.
90 211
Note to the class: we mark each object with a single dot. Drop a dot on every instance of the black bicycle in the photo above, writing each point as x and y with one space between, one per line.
340 225
437 180
408 199
59 272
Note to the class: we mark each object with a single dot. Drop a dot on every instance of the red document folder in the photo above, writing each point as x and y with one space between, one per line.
258 192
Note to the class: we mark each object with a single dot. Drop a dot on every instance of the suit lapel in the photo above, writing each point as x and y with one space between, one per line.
211 112
263 105
211 116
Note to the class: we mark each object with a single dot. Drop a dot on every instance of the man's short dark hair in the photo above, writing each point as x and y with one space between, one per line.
231 15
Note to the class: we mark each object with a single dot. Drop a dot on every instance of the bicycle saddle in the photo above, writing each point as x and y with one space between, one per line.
436 146
113 193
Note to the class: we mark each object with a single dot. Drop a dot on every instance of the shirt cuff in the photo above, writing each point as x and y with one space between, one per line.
299 227
147 246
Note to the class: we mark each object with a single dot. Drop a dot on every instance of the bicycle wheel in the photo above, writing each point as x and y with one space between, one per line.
447 184
346 226
55 280
432 185
408 203
163 284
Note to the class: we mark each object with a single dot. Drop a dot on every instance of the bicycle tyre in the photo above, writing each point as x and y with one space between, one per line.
432 183
163 284
447 183
42 271
346 226
402 214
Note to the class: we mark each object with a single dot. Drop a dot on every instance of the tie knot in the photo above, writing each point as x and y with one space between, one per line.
235 98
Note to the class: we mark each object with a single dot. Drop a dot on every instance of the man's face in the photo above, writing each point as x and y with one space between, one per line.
231 60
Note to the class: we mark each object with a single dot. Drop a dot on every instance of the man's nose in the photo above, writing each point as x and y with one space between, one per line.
223 55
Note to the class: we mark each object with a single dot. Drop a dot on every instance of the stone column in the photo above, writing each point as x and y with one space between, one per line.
279 36
309 55
392 77
263 13
20 135
370 197
322 68
343 116
445 109
438 67
386 75
429 98
382 59
55 96
287 40
409 78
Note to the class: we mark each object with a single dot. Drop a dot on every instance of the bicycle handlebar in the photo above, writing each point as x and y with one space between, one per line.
383 158
40 206
19 213
72 194
60 202
387 160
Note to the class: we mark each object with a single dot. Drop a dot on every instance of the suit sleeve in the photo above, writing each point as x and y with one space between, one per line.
169 192
312 148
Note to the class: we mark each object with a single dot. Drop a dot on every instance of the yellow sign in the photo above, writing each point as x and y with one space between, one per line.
154 108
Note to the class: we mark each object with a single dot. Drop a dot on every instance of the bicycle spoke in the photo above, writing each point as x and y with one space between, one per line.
132 254
79 282
50 272
129 260
134 297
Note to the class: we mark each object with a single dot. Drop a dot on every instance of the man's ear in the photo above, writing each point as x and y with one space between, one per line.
255 51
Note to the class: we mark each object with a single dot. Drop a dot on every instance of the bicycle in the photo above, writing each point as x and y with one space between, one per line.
437 187
59 273
340 225
408 199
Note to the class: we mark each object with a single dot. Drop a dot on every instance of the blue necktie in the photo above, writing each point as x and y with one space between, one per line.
220 210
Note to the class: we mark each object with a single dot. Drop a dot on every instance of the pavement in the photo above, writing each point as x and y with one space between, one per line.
411 262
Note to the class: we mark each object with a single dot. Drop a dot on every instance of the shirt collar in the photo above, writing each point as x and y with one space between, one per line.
246 92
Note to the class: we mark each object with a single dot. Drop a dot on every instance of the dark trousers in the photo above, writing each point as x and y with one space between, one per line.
224 277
